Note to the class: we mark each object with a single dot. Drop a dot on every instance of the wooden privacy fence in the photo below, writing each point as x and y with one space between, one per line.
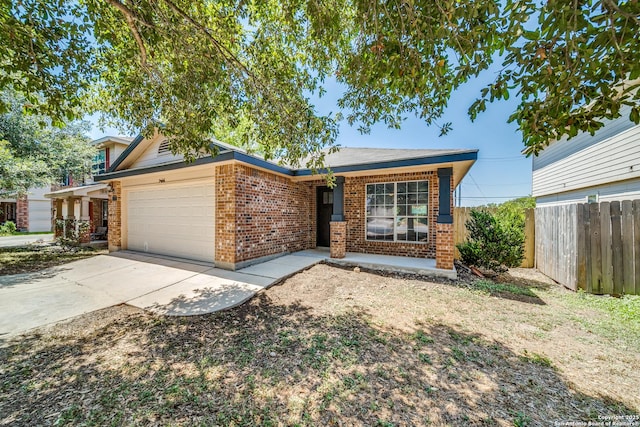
461 215
594 247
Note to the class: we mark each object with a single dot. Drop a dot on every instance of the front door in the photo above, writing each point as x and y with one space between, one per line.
324 208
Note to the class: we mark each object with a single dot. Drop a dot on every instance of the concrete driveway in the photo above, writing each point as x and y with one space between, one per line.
20 240
162 285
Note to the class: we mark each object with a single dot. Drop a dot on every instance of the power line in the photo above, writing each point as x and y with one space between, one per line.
502 185
477 186
502 158
494 197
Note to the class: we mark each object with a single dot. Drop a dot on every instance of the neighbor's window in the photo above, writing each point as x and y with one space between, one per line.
398 211
99 164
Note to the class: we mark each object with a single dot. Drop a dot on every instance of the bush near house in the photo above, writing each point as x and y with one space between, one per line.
495 241
512 213
7 229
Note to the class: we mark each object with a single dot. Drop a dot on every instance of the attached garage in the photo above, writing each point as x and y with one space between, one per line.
176 219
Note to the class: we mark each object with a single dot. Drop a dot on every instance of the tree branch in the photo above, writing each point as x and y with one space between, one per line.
230 56
131 19
611 5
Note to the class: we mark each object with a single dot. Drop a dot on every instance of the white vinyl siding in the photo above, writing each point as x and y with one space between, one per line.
176 220
625 190
40 210
151 156
612 160
564 148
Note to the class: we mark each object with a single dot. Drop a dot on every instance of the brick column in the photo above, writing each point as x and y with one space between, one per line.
338 243
22 213
84 224
58 222
69 218
84 231
115 217
444 223
226 230
444 246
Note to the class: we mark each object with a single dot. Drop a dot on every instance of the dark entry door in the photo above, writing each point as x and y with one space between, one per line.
324 208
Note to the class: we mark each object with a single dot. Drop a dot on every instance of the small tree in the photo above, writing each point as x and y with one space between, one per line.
492 244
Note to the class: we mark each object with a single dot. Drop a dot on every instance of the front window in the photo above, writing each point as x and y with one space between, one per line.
99 164
398 211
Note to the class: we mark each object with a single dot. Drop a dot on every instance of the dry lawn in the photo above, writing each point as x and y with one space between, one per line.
331 346
38 256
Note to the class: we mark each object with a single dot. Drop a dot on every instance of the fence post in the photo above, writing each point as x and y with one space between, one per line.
636 241
616 248
627 248
605 238
596 248
528 261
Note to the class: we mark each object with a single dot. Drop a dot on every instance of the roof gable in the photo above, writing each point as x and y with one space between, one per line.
111 140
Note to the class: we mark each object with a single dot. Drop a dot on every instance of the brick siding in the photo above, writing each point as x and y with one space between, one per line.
96 214
355 215
260 214
115 217
338 239
22 213
444 243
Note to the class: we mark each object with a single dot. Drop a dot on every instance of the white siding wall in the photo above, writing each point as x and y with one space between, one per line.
625 190
562 149
115 152
39 209
151 157
609 160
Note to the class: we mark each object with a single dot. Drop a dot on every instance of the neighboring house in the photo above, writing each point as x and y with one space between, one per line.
590 168
109 149
585 238
29 213
34 212
88 202
236 209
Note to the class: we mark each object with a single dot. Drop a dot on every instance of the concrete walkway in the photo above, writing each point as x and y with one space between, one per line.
163 285
168 286
21 240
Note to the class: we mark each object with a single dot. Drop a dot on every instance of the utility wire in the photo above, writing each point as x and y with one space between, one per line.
477 186
494 197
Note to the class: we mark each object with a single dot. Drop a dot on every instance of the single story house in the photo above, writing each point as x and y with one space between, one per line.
235 209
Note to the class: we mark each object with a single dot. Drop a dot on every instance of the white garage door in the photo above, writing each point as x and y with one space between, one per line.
172 220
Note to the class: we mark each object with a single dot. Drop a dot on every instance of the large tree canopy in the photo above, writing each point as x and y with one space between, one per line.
33 153
246 71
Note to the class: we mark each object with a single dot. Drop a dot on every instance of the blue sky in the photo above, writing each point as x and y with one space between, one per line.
501 172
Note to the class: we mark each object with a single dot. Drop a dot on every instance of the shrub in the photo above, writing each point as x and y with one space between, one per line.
492 244
72 237
7 228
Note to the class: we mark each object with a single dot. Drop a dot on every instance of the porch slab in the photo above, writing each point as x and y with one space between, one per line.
284 266
400 264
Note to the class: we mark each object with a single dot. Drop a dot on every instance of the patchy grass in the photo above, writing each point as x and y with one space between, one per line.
30 233
616 319
493 288
35 257
326 347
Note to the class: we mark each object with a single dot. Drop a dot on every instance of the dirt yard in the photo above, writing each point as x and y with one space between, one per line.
332 346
